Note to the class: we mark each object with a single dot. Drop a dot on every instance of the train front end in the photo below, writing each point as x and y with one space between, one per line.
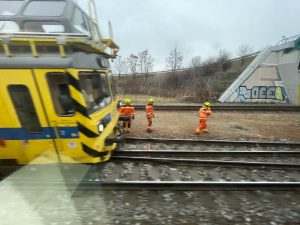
58 101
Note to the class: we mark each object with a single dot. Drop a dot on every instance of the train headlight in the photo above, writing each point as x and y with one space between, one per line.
101 128
119 104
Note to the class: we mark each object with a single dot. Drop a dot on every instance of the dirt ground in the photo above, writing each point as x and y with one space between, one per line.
222 125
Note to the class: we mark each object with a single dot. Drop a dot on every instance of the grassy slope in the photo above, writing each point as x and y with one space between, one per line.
155 86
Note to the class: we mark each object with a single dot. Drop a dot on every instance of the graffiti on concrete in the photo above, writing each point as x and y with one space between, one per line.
263 92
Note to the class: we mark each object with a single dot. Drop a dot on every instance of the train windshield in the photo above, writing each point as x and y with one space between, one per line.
95 90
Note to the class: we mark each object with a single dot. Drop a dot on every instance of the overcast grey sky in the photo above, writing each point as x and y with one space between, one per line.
197 27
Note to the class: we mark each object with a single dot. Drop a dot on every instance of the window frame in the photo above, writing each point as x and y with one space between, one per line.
102 75
30 25
10 22
48 75
83 15
17 111
113 88
20 7
43 15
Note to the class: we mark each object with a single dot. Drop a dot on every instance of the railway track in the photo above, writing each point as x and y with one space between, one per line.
211 152
197 153
239 107
177 193
138 175
140 143
158 164
243 162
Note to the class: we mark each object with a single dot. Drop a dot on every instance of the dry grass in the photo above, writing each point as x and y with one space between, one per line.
142 99
188 86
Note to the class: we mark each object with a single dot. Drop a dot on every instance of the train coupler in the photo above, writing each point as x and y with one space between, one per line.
111 139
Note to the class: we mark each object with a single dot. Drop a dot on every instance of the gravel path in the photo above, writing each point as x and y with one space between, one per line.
268 126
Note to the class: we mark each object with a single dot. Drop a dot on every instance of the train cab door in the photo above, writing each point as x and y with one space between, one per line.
28 132
54 86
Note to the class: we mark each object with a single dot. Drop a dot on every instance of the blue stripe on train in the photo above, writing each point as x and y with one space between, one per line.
46 133
68 132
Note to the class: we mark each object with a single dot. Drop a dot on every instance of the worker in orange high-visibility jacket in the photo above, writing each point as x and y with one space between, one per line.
204 113
127 112
150 113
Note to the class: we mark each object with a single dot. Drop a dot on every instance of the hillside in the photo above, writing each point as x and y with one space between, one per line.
189 85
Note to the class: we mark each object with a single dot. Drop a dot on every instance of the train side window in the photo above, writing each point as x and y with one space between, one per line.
10 8
9 26
44 26
299 66
25 109
80 22
60 93
45 8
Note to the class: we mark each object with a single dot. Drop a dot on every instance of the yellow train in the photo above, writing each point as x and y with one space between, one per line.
57 100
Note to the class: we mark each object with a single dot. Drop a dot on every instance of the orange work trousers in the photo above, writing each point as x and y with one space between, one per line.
149 118
202 125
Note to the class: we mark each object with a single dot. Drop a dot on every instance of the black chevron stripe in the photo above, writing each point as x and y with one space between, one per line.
93 152
87 132
80 108
74 82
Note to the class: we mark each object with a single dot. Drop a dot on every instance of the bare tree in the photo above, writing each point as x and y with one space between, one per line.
196 69
223 60
148 63
141 61
210 66
196 62
120 66
145 61
174 60
211 86
243 51
132 61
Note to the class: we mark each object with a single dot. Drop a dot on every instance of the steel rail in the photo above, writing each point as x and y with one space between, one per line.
245 107
200 162
159 185
205 153
218 142
191 185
